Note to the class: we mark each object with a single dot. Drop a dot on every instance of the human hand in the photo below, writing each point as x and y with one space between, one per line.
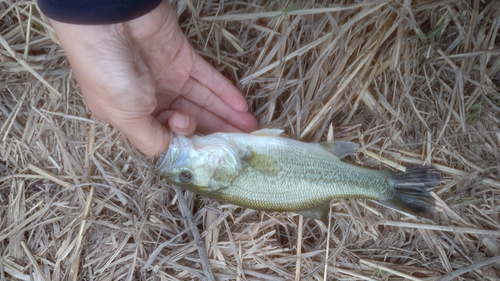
142 74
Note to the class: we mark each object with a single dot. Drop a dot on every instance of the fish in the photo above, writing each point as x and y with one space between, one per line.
266 171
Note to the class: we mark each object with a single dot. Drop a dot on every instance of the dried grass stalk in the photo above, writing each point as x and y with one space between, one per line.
412 82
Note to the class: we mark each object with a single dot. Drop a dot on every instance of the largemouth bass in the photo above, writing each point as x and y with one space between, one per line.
267 172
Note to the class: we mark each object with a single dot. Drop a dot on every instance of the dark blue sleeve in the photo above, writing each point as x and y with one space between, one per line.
96 11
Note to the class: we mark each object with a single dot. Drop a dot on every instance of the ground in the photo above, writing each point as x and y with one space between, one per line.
412 82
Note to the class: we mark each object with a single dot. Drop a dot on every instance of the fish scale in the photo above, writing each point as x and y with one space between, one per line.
267 172
303 168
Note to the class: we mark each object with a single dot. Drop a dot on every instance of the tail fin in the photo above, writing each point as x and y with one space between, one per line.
411 193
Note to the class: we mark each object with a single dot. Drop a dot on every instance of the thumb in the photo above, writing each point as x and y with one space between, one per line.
147 134
182 123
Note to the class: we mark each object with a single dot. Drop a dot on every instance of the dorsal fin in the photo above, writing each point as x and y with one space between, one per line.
340 148
267 132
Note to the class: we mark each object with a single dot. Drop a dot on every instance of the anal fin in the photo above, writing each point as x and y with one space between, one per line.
319 212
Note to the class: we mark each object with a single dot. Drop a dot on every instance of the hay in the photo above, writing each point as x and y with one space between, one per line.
412 84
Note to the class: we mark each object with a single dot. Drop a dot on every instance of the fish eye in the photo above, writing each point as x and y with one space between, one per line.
185 176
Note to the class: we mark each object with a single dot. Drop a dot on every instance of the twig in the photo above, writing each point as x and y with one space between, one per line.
186 212
300 229
390 270
327 252
7 47
466 269
272 14
81 236
36 266
455 229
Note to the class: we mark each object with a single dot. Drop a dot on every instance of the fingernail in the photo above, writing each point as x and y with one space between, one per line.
243 108
181 121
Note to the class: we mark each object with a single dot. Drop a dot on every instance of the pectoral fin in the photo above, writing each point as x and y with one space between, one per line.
319 212
262 163
340 148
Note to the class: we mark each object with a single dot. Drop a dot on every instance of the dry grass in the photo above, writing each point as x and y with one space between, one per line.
412 84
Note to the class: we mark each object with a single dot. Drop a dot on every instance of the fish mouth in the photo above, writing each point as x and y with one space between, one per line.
175 156
162 163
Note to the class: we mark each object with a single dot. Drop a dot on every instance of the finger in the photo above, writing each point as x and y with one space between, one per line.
183 124
145 132
179 122
208 122
204 98
166 101
212 79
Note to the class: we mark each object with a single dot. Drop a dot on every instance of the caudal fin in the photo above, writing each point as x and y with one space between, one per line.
411 194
